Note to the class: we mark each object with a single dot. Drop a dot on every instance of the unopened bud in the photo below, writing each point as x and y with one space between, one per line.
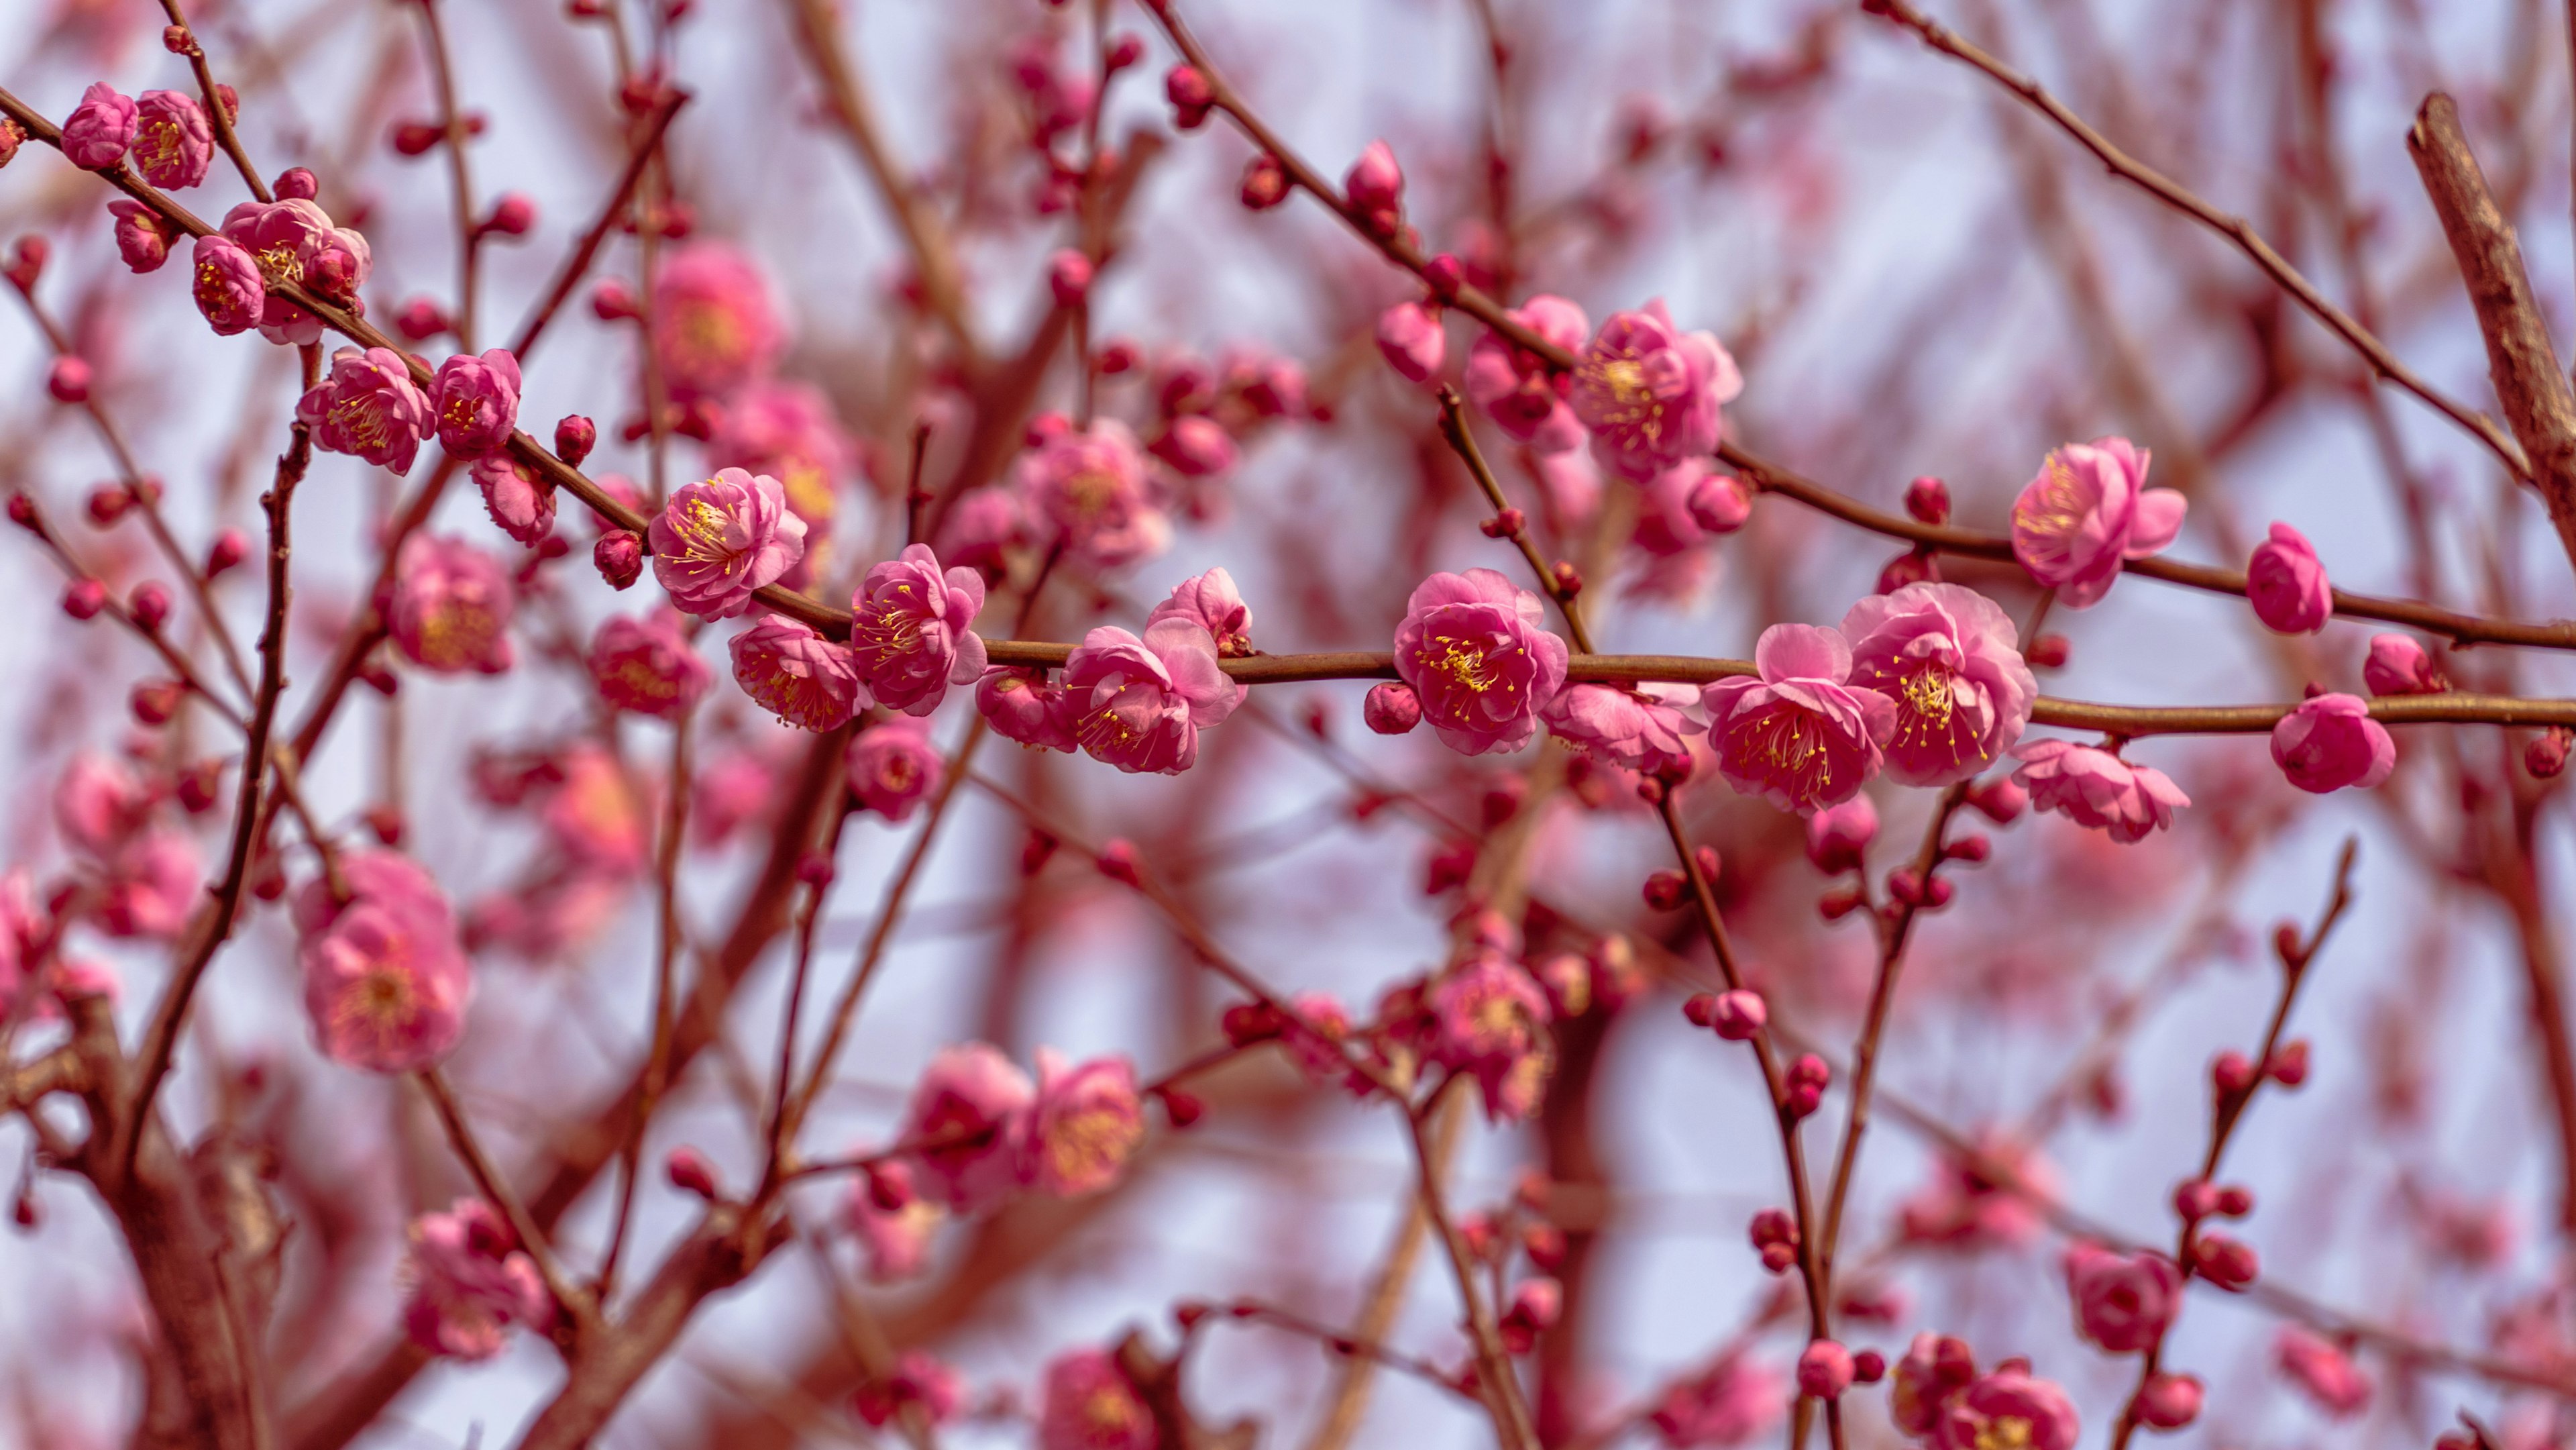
229 548
22 511
2232 1074
1928 500
1117 861
1265 183
690 1172
1569 580
1739 1015
1666 890
155 701
512 215
1445 274
1391 709
2546 755
149 604
2168 1401
2048 652
84 598
296 184
2289 1065
890 1186
68 380
1183 1109
575 436
1505 525
1191 96
619 555
612 299
2226 1262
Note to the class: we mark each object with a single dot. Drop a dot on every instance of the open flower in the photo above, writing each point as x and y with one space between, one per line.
1799 737
1090 1405
796 674
718 541
1950 661
174 143
1410 335
2007 1408
1517 389
910 635
787 431
152 885
476 400
1732 1402
713 326
99 129
520 500
897 1240
470 1282
972 1110
1023 705
385 979
1090 488
1650 392
2123 1302
226 282
2096 789
1490 1022
892 766
1138 704
1645 728
451 606
294 242
1472 648
2287 584
2324 1371
367 407
1087 1121
2330 742
2087 513
1211 602
142 238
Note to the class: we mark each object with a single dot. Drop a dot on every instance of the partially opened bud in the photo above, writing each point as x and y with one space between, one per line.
2168 1401
690 1172
1391 709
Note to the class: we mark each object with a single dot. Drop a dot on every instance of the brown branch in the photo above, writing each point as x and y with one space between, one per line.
2520 360
577 1307
225 135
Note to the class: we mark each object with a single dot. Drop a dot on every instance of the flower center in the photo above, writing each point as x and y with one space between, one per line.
2059 506
1791 742
1631 398
1465 664
703 527
1085 1145
361 419
2004 1432
891 624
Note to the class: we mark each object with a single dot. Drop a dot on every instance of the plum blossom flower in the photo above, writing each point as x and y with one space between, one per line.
1195 446
1683 505
2007 1408
520 500
368 408
1472 649
1490 1022
2123 1302
984 527
1735 1402
2088 512
896 1241
152 885
713 326
385 980
2398 665
787 431
226 284
294 241
919 1380
1963 1207
1950 661
1644 728
1936 1367
2326 1373
594 819
470 1282
99 804
719 540
910 630
99 129
1516 388
1087 1121
796 674
2330 742
1090 488
2287 584
1138 704
1023 705
142 238
476 400
451 606
647 665
2097 789
1650 393
1090 1405
1799 737
972 1106
1837 835
1410 336
1213 603
174 143
892 766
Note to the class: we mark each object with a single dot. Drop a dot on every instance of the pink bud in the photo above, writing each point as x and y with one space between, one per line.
2231 1073
229 548
1124 52
2546 755
1779 1258
1569 580
1840 902
2000 800
155 701
1265 183
619 556
575 435
296 184
2235 1200
2289 1065
1971 849
1410 337
2287 585
1069 274
107 503
1391 709
1838 835
612 299
150 605
1869 1367
2398 665
1183 1109
2196 1199
1445 274
421 319
2226 1262
1544 1243
1505 525
890 1187
1804 1084
1913 567
2048 652
1928 500
22 511
1824 1369
176 40
690 1172
27 262
1667 889
1719 503
68 380
2168 1401
1190 94
1739 1014
512 215
1700 1009
1117 861
413 138
1375 183
1772 1226
84 598
197 787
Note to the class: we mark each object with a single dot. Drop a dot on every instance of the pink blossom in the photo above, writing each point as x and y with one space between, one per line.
470 1282
2087 512
1681 506
1318 1053
1090 1405
1023 705
713 326
368 408
1645 728
1734 1402
973 1106
796 674
1934 1370
1391 708
1086 1122
2287 584
735 791
984 526
787 431
1650 393
1490 1022
1949 660
20 925
1410 335
295 242
1967 1206
1211 602
1090 488
99 129
385 980
910 635
451 606
2097 789
892 766
896 1241
476 400
718 541
2007 1408
174 143
2398 665
1799 737
2324 1371
142 238
2123 1302
152 886
1837 835
1375 183
647 665
2330 742
1472 648
1196 446
1139 704
520 500
919 1381
594 819
1517 389
227 284
99 804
